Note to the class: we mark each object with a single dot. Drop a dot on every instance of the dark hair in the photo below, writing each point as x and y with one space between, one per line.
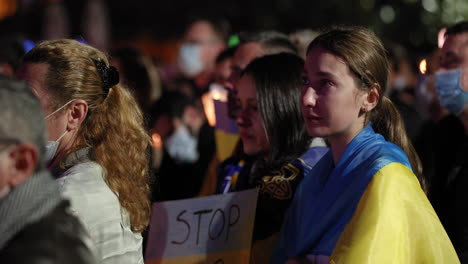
366 58
226 54
271 41
171 103
461 27
113 120
11 50
136 72
278 83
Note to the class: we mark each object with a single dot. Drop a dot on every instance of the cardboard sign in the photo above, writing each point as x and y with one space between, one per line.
215 229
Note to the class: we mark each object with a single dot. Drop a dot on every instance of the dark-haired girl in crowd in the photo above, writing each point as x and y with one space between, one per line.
362 202
97 144
274 135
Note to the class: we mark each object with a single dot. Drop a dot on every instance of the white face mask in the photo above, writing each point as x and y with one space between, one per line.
189 60
51 146
182 146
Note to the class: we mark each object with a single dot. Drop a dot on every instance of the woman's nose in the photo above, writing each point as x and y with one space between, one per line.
309 97
242 118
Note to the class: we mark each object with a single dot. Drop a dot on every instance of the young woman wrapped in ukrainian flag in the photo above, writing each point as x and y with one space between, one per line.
362 202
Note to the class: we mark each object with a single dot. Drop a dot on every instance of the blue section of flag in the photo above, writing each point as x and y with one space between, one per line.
312 157
223 122
328 196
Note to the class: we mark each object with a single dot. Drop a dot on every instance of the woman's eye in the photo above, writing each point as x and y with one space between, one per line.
305 81
238 105
253 108
325 83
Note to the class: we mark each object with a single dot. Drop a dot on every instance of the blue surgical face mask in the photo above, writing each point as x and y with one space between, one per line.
450 92
52 146
190 60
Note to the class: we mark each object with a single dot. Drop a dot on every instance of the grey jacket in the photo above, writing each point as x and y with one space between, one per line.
36 226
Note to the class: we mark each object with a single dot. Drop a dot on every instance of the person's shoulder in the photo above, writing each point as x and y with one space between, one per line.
394 204
59 237
85 187
83 177
385 151
87 169
312 156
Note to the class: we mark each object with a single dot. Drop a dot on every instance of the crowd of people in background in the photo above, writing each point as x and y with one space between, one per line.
356 156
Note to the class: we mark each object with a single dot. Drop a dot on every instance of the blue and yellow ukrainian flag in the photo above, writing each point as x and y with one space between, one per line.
369 208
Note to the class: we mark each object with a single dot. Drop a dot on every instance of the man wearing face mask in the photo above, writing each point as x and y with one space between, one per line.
188 145
37 226
450 188
203 40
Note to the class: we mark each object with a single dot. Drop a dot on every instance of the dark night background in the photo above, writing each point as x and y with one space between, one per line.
412 23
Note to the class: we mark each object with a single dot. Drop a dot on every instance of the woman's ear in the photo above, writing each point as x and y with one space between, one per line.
78 112
371 98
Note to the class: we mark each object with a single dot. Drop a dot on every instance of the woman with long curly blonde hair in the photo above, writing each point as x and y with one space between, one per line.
97 144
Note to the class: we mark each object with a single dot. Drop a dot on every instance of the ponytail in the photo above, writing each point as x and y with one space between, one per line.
113 127
115 131
386 120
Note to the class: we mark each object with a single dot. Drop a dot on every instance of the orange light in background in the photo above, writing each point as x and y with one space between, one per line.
156 140
208 106
7 8
423 66
157 151
219 95
441 37
216 95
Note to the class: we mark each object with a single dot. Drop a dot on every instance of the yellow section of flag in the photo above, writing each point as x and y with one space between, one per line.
225 144
394 223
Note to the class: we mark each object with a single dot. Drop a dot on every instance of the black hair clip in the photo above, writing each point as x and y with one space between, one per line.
109 75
